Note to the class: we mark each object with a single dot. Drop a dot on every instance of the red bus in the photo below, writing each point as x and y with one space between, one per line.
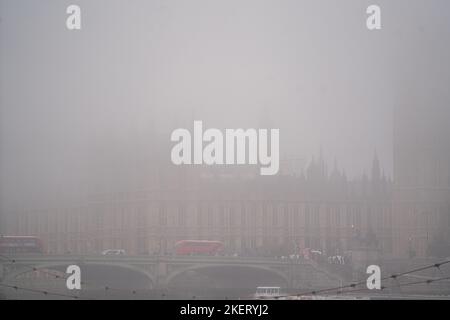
201 247
20 244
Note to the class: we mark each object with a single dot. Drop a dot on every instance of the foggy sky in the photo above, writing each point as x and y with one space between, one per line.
82 111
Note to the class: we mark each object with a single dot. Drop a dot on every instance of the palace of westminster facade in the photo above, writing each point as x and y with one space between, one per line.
278 215
252 215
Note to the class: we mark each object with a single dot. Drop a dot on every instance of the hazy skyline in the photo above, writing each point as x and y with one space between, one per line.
79 107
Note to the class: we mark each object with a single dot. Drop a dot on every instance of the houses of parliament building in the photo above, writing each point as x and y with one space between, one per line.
253 215
317 208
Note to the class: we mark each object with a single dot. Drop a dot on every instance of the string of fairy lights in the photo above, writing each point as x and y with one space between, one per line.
339 290
42 270
349 288
44 292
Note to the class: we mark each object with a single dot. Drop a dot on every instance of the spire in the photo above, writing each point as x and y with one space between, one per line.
376 173
321 166
335 174
311 169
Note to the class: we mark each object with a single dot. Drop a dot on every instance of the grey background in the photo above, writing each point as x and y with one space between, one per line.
84 112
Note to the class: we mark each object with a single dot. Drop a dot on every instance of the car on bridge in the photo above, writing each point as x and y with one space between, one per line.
113 252
270 293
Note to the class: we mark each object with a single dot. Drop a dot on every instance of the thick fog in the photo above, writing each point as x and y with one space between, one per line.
88 178
91 111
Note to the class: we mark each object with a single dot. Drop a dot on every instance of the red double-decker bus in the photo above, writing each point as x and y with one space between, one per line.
198 247
20 244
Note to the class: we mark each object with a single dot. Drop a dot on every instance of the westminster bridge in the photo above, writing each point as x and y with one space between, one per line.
163 275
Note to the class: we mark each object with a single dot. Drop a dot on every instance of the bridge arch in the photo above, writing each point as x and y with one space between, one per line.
61 267
282 277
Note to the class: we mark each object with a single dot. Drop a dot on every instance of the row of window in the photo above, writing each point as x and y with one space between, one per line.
307 216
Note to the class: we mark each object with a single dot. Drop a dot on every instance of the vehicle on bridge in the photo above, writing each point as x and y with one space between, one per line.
113 252
267 292
198 247
20 244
